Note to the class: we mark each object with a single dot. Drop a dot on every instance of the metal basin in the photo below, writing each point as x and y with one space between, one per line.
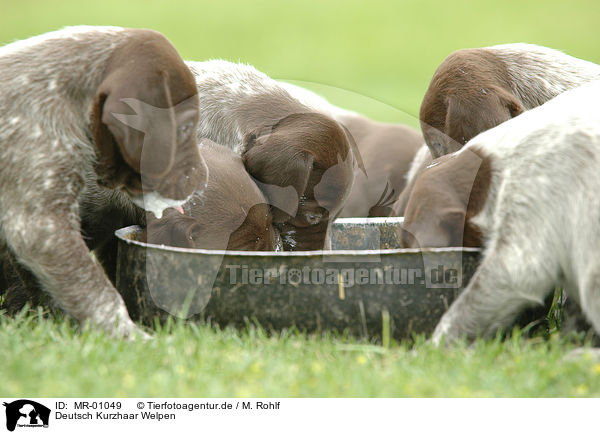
353 287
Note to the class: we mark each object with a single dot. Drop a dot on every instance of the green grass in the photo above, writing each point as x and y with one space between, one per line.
50 357
384 50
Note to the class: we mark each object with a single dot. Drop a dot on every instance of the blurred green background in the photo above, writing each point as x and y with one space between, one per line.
374 57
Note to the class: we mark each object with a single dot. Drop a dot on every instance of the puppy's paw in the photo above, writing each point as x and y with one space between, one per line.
139 335
449 330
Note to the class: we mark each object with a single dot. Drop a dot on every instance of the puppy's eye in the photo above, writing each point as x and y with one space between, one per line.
184 131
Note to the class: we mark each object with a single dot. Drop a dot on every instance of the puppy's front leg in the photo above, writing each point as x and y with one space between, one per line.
21 286
502 286
53 249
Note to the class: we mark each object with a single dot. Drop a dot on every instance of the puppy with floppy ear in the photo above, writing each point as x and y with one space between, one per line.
231 214
156 142
311 153
284 142
446 196
80 104
476 89
386 151
535 206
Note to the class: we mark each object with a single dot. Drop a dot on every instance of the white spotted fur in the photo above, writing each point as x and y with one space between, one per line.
47 88
541 219
537 74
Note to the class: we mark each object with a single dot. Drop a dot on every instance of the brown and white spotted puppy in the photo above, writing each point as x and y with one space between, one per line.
310 153
284 143
476 89
231 214
85 103
387 151
536 209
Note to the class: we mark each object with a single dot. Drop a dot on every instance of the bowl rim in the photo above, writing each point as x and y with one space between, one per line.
122 234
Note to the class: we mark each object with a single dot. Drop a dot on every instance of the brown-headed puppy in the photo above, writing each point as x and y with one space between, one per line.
85 104
230 214
476 89
284 143
387 151
535 207
445 196
311 153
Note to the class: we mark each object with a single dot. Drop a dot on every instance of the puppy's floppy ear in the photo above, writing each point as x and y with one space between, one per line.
277 168
453 225
253 138
146 138
510 102
467 116
104 140
355 151
276 160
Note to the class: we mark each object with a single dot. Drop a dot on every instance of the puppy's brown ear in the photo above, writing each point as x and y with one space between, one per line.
453 226
251 139
355 151
145 134
467 116
511 103
279 165
104 140
280 171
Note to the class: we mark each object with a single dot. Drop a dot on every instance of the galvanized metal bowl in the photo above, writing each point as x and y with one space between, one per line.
362 280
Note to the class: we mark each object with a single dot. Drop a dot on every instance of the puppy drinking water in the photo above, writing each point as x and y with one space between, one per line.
283 142
535 209
386 150
112 104
231 214
476 89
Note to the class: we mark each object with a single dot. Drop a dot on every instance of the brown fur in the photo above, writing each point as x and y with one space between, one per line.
469 93
311 153
446 196
112 105
232 213
476 89
147 68
387 151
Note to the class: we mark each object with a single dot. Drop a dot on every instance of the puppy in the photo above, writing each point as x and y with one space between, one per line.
231 214
386 150
444 198
310 153
535 208
476 89
283 142
80 105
